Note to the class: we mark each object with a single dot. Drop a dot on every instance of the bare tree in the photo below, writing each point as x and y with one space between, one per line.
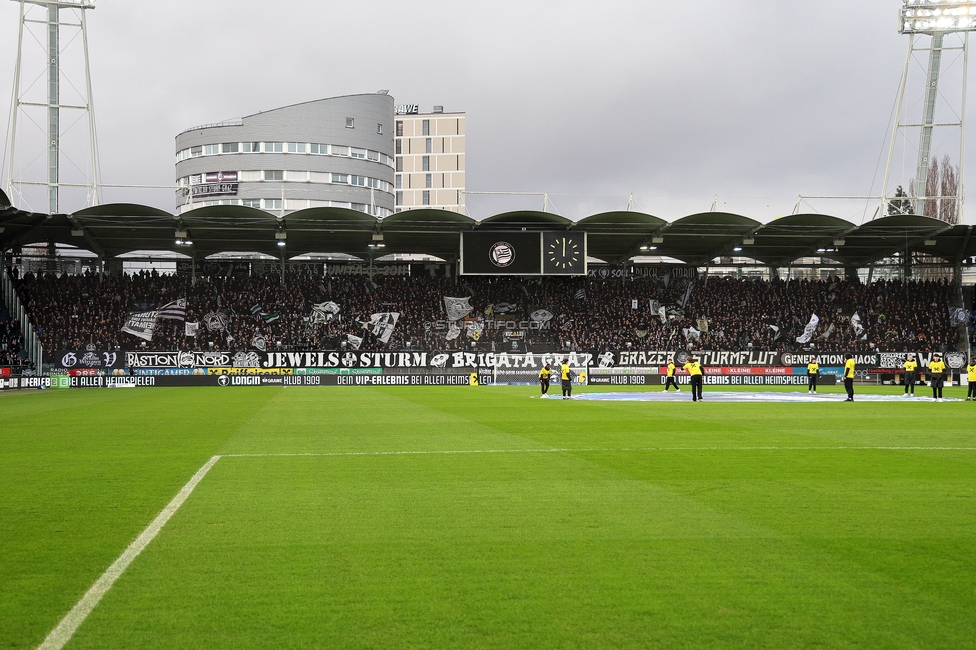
941 188
949 188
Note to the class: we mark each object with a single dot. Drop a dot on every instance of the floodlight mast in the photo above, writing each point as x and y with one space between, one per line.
935 19
54 105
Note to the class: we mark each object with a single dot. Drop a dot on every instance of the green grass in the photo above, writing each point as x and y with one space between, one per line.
612 547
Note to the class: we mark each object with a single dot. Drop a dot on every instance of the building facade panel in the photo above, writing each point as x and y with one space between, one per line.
331 152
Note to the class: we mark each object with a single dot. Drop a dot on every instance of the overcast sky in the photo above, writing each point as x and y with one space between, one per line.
755 101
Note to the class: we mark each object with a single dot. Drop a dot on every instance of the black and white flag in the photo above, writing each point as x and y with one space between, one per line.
958 316
216 321
323 312
457 308
381 325
141 324
541 315
354 341
580 294
688 290
856 325
175 310
808 331
191 329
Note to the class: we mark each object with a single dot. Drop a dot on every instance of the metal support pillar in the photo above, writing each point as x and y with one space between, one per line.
53 108
928 119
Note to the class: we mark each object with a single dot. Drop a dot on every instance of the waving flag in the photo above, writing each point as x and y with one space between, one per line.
175 310
457 308
808 331
381 325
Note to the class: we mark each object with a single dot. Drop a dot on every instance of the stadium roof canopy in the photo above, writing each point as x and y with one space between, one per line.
118 228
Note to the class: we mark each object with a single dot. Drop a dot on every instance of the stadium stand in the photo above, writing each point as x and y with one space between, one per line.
72 312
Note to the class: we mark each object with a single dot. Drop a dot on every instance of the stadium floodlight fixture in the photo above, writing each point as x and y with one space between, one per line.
377 236
929 16
181 234
737 249
838 242
748 241
657 240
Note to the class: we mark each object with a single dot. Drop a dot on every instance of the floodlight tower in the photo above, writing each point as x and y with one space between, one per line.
52 43
934 19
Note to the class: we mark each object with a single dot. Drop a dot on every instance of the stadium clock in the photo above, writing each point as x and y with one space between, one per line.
564 253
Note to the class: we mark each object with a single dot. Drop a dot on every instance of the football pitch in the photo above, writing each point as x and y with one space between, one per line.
476 517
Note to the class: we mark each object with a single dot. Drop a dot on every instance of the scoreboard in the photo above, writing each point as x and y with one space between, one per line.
520 252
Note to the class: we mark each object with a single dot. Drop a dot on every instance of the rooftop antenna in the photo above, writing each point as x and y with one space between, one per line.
20 104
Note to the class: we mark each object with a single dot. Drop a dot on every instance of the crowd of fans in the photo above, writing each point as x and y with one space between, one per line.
72 312
12 352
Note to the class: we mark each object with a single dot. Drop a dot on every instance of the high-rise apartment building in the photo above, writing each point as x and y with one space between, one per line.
429 159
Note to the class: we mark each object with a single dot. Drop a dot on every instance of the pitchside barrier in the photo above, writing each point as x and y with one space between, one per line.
93 368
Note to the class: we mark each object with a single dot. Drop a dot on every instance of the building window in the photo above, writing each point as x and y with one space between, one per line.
379 128
272 204
357 180
196 179
350 123
399 181
196 151
211 149
296 147
399 164
251 203
248 147
399 128
425 164
399 198
229 147
340 178
313 148
399 146
339 151
430 145
274 175
425 128
426 199
358 153
430 180
373 155
274 147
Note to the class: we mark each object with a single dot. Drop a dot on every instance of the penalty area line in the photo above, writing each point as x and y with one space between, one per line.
61 634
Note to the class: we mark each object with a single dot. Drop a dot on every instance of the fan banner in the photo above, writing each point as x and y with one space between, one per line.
141 324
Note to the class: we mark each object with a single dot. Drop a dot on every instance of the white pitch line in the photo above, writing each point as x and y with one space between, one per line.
588 449
61 634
